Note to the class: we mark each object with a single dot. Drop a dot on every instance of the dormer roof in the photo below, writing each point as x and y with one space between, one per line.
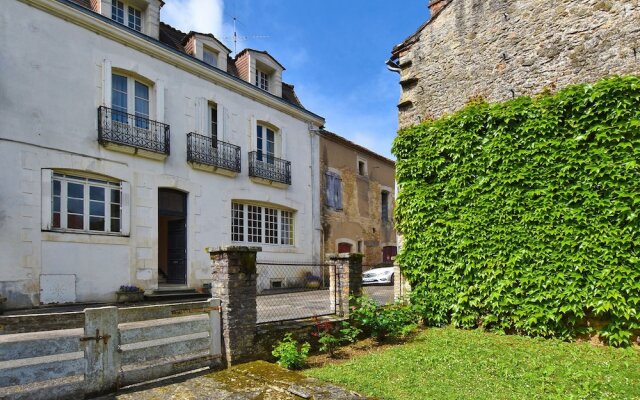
260 52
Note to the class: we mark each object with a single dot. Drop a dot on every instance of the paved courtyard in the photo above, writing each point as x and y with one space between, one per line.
303 304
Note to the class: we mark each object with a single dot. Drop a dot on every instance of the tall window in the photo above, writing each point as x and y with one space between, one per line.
265 144
85 204
262 224
333 190
132 19
384 206
262 80
209 57
213 123
132 97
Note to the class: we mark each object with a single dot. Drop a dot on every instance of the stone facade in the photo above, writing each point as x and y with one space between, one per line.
357 221
500 49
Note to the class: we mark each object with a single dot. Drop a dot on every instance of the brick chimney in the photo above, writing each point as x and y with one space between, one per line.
435 6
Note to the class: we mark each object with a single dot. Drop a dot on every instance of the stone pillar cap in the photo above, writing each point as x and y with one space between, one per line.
340 256
233 249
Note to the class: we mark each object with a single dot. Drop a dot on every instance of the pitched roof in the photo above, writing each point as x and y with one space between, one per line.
175 39
339 139
266 53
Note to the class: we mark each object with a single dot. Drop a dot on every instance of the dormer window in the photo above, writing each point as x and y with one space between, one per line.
135 19
210 57
132 19
262 80
117 12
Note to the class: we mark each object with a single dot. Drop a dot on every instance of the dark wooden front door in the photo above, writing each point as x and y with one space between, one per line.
177 251
172 236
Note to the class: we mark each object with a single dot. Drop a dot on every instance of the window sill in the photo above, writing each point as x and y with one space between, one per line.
82 237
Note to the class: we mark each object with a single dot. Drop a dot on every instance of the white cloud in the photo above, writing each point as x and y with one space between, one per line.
203 16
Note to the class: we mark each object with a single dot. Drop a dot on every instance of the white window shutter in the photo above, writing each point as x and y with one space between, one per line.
202 116
159 100
47 190
106 82
125 202
223 123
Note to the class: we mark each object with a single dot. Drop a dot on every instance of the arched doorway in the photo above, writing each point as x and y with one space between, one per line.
172 237
344 247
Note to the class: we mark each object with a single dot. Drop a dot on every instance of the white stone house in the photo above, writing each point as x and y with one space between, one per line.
127 147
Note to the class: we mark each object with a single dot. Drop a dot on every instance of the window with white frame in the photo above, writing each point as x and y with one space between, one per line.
213 123
333 190
262 80
265 144
132 18
129 96
210 57
262 224
85 204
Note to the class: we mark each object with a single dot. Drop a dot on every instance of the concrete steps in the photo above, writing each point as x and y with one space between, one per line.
169 293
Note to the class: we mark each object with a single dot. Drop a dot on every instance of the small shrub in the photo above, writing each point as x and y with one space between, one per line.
290 354
349 332
397 320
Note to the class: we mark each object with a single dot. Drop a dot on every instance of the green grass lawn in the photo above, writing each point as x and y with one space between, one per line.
457 364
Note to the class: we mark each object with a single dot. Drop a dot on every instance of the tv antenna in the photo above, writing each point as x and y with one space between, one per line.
237 38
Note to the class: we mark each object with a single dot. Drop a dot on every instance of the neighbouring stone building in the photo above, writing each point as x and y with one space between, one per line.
500 49
357 212
127 147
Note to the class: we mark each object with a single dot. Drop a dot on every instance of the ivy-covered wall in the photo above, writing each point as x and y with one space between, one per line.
523 216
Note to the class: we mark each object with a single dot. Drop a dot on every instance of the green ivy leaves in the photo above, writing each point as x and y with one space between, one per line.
522 216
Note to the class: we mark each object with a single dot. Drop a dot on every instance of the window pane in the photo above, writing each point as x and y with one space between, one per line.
254 214
75 206
56 220
96 208
142 99
117 11
96 224
135 20
270 144
96 193
271 226
237 222
75 221
56 188
75 190
115 196
115 225
56 203
209 57
286 230
115 211
119 97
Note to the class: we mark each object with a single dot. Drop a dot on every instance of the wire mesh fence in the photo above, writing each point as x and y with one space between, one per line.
289 291
378 283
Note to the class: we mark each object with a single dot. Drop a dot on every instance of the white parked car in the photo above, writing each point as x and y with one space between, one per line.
382 275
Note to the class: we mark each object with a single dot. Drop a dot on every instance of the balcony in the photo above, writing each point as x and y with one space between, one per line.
269 169
132 134
207 154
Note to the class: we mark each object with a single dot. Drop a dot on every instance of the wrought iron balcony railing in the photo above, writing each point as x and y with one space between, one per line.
269 167
132 130
204 150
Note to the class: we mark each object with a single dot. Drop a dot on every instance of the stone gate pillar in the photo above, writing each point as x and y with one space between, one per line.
345 280
234 282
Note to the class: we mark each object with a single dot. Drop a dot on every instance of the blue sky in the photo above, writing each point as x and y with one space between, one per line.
333 51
